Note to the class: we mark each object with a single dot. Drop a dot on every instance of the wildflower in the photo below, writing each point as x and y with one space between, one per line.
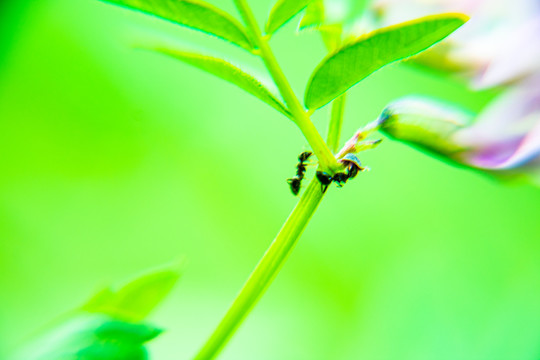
498 46
504 139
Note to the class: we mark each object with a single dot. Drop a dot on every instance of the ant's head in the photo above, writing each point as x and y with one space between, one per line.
324 178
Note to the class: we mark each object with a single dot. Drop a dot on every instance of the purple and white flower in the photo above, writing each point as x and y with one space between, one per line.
500 44
499 47
504 139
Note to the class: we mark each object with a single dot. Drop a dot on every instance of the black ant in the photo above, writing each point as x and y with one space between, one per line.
353 167
326 179
301 167
296 181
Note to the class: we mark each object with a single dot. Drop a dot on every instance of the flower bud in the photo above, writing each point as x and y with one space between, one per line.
426 123
504 139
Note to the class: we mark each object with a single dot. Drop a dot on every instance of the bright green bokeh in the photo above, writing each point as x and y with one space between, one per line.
116 159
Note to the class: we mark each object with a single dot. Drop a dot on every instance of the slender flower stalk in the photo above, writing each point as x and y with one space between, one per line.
265 272
285 241
276 255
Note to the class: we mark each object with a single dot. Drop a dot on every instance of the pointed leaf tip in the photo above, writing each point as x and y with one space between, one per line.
355 61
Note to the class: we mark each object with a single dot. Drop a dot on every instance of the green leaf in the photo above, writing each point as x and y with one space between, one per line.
283 11
355 61
129 333
108 350
101 299
425 123
194 14
230 73
137 299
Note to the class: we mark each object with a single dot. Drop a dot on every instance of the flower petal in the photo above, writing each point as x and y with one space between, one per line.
506 132
528 149
498 46
519 57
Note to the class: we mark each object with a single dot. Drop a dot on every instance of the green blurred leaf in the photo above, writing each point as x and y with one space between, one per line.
282 12
90 337
111 350
194 14
230 73
100 299
137 299
355 61
119 340
127 332
425 123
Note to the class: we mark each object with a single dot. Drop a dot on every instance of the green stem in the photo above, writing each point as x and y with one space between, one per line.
274 258
265 272
326 159
336 122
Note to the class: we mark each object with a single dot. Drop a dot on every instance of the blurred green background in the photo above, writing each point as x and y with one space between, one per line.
116 159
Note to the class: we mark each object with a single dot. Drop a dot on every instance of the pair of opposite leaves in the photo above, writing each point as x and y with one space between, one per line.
335 74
